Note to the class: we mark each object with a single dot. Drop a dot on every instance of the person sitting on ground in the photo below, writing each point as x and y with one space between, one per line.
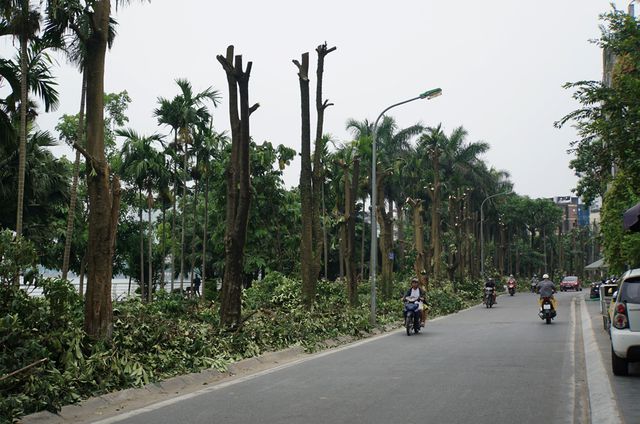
415 292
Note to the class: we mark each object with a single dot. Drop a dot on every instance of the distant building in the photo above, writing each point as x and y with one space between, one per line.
574 212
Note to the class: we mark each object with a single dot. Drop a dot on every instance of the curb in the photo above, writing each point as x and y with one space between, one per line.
602 402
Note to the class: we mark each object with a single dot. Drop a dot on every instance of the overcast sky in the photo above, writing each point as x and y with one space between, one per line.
501 65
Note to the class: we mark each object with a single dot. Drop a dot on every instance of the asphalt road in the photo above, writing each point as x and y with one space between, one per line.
499 365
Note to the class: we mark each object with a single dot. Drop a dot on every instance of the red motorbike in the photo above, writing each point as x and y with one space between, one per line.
511 287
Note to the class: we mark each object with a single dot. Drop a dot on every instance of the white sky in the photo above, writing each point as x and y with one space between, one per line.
500 63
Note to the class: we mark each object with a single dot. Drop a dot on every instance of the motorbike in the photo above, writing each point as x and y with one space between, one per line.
412 315
488 297
534 286
511 286
547 312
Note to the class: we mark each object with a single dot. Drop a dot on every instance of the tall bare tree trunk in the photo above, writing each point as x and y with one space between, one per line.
104 195
22 149
349 229
420 265
386 237
325 238
185 139
238 186
306 193
203 271
362 241
400 227
318 168
164 243
435 214
142 286
193 241
74 185
150 245
173 218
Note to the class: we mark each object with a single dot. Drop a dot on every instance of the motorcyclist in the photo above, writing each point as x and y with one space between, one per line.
491 283
416 293
546 288
534 283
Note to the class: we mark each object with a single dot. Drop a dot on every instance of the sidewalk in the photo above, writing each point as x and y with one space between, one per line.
626 389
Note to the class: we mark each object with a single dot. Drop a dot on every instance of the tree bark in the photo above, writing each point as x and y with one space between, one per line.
203 271
173 218
185 136
306 190
317 177
193 241
349 229
385 220
74 185
238 187
420 265
104 195
22 149
150 245
435 214
142 286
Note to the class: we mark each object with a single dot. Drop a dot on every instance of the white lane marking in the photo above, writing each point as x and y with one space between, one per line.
224 384
602 402
572 359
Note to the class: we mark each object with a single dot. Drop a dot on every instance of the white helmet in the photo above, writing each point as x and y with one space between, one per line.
545 276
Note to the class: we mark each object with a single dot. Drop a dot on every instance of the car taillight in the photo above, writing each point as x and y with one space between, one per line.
620 320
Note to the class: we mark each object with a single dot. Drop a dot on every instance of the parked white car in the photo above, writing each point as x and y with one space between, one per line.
625 323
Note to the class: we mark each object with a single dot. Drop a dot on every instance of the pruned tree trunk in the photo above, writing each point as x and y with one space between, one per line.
74 185
238 187
306 192
318 168
311 180
104 192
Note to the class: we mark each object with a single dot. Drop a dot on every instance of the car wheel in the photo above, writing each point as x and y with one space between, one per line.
619 365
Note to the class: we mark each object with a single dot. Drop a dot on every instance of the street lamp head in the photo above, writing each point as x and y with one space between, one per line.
430 94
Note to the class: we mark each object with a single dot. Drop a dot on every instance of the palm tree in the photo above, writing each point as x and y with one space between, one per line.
208 149
104 192
143 165
184 113
22 22
168 114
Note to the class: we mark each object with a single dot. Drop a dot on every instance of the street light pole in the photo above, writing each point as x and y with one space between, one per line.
373 266
482 229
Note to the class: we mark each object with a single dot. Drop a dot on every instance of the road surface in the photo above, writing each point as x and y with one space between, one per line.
499 365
